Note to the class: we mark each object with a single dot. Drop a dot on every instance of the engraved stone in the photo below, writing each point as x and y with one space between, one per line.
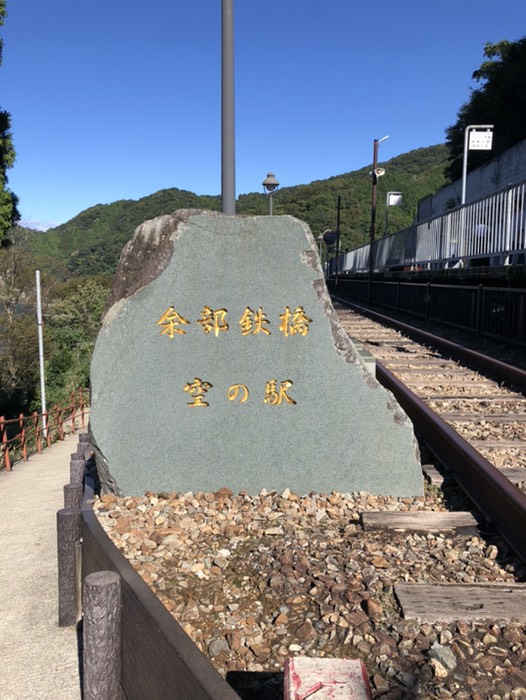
221 363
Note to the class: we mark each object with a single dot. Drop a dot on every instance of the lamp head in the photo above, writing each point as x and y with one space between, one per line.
270 183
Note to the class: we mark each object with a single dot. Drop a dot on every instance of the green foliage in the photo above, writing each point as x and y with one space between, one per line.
92 242
72 324
9 214
500 100
18 331
71 311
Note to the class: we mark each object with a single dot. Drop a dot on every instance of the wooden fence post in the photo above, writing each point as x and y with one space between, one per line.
102 636
76 470
68 535
73 495
22 436
45 422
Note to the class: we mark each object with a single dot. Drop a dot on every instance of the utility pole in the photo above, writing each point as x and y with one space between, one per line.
337 241
374 179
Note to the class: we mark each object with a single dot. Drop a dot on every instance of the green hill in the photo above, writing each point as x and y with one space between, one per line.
91 242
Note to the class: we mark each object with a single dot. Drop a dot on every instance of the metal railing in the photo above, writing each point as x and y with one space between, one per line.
20 437
493 312
491 231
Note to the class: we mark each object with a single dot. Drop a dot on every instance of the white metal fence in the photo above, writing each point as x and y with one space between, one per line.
489 231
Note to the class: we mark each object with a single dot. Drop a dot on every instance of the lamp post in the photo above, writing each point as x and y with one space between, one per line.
376 173
228 170
270 184
477 137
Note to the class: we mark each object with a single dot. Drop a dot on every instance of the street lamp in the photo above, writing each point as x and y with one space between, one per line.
477 137
376 173
394 199
270 184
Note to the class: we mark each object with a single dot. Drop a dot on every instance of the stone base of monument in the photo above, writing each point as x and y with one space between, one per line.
221 363
319 679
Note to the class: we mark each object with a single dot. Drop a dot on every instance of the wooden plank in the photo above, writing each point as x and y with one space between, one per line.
516 476
498 444
422 520
432 475
487 417
462 397
470 602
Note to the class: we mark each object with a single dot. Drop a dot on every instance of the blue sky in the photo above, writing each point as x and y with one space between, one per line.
117 99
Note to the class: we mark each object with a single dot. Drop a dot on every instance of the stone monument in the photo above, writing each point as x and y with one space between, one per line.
221 363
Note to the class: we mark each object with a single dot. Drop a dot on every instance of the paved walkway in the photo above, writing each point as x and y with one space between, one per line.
38 659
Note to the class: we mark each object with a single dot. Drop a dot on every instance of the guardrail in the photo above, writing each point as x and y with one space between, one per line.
492 312
26 435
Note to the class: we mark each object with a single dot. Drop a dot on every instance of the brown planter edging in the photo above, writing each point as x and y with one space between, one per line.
159 660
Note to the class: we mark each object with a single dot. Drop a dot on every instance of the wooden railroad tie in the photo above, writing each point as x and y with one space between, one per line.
449 602
419 521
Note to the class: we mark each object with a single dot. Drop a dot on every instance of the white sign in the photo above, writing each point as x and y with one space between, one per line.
480 140
394 199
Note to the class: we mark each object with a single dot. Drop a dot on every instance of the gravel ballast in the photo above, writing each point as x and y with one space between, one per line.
255 580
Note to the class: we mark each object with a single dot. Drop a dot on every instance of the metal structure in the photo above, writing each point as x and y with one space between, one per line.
488 231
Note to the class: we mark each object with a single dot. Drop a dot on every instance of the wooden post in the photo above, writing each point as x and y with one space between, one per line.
5 443
68 535
82 406
45 421
38 431
73 495
23 438
102 636
83 444
76 470
60 423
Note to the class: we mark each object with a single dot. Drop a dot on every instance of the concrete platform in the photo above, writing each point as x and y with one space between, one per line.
39 659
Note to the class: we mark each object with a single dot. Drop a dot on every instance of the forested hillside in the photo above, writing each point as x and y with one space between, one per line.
92 241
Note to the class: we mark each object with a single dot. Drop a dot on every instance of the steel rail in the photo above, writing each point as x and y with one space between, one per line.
500 501
477 360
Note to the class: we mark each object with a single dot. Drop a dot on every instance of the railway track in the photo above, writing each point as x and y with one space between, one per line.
469 408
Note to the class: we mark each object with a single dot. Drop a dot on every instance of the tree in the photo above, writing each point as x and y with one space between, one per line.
72 323
9 214
500 100
18 330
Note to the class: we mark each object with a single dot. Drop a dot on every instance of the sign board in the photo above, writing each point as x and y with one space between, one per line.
395 199
480 140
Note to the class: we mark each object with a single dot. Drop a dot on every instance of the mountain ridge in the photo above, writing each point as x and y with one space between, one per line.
91 242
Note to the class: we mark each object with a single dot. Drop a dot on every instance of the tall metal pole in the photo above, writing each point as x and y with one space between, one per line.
337 240
374 179
41 352
228 174
465 165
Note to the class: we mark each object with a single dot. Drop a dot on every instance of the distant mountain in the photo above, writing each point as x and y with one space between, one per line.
92 241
